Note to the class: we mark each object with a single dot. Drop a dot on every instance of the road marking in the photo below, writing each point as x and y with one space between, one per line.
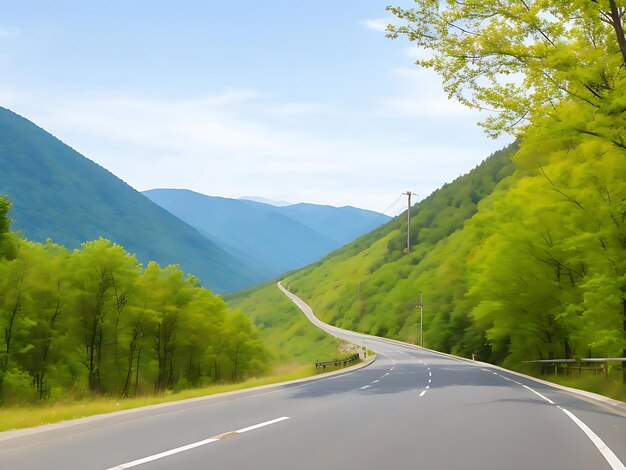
607 453
430 380
376 381
261 425
538 394
393 368
177 450
364 387
427 387
430 374
423 393
386 374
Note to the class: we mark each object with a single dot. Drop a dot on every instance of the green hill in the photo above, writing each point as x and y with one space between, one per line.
522 258
58 193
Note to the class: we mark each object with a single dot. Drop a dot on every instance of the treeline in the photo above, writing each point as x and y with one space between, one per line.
93 321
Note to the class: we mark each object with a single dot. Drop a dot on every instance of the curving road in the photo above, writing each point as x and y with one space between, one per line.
411 408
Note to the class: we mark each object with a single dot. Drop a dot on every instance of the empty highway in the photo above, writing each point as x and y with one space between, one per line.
411 409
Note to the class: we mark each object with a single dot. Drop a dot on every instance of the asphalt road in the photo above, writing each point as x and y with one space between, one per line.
411 409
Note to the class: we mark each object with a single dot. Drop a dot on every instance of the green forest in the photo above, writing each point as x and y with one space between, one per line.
524 258
93 321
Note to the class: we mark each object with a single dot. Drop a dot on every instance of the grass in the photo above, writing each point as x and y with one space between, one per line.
609 386
18 417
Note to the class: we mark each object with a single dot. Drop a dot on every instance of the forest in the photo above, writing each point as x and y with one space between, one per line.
94 321
524 258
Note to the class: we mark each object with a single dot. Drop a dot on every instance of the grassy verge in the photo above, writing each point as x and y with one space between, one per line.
19 417
608 386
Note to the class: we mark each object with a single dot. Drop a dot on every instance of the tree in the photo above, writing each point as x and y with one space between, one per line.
520 59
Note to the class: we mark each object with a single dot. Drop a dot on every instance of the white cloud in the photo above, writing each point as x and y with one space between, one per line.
418 93
378 24
6 32
231 144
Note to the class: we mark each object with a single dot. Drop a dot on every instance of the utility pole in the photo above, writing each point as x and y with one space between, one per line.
408 225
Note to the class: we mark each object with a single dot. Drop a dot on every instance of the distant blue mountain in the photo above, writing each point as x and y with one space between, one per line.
58 193
273 238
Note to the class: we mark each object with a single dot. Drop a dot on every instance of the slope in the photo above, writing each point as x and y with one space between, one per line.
277 238
58 193
371 285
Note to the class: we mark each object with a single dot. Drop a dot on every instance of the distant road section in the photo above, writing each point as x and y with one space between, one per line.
412 408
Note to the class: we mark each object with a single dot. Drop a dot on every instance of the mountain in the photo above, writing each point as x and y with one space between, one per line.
278 239
265 201
58 193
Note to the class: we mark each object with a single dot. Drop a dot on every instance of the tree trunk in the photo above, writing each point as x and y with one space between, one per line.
8 334
619 29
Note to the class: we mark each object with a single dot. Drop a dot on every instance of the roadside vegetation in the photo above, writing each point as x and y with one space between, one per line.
95 322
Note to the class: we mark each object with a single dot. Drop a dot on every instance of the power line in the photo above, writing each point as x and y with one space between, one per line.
384 212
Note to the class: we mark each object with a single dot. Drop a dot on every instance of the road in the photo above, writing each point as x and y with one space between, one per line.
411 408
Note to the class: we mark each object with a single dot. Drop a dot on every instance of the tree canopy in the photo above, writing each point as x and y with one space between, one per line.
520 59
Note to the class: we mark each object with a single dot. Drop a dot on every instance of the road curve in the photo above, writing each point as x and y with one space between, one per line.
412 408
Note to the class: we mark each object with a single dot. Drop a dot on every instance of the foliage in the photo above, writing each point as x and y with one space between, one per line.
284 328
521 59
92 322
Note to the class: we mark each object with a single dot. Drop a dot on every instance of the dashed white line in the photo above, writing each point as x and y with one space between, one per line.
427 387
177 450
430 374
364 387
376 381
392 368
423 393
386 374
430 380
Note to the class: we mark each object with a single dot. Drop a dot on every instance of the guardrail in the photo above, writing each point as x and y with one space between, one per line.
602 361
338 362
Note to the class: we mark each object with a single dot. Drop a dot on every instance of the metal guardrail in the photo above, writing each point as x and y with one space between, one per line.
602 363
338 362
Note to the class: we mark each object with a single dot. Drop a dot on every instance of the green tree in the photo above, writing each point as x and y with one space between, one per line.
520 59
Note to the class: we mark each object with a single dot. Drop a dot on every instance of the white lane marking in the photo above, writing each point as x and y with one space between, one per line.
392 368
427 387
261 425
538 394
430 380
364 387
386 374
423 393
376 381
177 450
607 453
430 374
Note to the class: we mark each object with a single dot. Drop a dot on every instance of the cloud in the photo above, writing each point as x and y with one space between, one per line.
378 24
247 142
6 32
418 93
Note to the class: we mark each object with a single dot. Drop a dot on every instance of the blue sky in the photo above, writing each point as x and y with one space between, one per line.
297 101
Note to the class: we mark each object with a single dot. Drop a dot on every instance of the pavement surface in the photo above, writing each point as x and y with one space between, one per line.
410 409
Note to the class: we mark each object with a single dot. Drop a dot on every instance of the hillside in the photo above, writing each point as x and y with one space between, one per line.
515 262
58 193
277 239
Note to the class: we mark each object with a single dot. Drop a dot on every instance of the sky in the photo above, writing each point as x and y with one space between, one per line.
295 101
